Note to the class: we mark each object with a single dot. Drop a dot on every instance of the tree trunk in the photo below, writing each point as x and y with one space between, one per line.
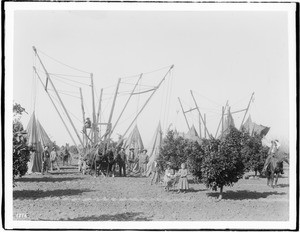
255 173
221 193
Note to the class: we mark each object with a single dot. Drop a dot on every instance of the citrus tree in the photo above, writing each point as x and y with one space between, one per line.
253 152
222 163
21 154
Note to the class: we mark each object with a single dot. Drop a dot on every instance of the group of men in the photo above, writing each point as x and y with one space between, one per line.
49 159
139 160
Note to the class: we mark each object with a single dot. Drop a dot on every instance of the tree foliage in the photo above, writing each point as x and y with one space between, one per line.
253 152
21 154
222 162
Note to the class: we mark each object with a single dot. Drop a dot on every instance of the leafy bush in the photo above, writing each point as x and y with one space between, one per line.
177 150
21 154
222 163
253 153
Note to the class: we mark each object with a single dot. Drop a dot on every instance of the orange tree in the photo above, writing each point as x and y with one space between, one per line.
177 150
222 163
21 153
253 152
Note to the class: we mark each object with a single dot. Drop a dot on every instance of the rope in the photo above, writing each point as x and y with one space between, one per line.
63 63
68 75
207 98
66 82
156 70
70 80
65 93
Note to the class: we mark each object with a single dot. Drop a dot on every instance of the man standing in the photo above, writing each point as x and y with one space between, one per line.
53 159
143 160
45 159
122 162
131 159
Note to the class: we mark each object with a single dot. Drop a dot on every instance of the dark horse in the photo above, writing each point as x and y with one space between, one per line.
274 167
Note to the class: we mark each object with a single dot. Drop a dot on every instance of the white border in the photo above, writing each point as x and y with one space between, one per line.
11 7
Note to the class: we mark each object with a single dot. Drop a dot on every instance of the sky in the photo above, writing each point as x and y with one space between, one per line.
219 55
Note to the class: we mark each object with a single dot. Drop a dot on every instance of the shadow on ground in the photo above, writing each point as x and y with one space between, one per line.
48 178
282 185
36 194
244 195
115 217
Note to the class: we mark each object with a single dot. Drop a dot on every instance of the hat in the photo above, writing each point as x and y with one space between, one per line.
53 148
131 148
144 150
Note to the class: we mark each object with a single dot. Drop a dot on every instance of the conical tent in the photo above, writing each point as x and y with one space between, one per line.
229 122
193 135
253 128
134 141
37 137
154 148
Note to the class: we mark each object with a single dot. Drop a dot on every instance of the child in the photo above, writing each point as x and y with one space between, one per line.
183 182
155 174
168 178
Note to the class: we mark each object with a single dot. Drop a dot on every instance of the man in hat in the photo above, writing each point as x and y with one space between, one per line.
273 152
122 160
53 159
131 159
45 160
143 160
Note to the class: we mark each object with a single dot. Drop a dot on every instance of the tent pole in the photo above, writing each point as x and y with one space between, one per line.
200 132
111 112
83 117
55 107
148 100
221 119
199 112
184 114
126 103
94 131
205 125
246 110
48 77
98 113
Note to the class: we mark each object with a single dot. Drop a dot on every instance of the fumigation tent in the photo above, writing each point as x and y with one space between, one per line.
253 128
154 148
36 137
193 135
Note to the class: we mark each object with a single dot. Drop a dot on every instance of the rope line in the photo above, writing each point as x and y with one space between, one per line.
156 70
207 98
65 94
63 63
68 75
70 80
66 82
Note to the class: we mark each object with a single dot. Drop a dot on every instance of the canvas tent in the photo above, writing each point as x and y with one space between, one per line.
253 128
134 141
153 149
37 137
193 135
228 122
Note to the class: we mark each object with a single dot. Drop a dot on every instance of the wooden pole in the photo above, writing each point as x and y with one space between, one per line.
148 100
56 108
48 76
99 112
205 126
221 119
126 103
94 131
199 113
184 114
200 131
83 117
111 112
246 110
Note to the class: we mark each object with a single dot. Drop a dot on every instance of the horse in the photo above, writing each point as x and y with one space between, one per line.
65 156
273 168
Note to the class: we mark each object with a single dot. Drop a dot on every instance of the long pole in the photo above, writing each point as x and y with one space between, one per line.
199 112
205 125
200 131
55 107
126 103
112 110
94 131
48 77
99 112
184 114
221 119
148 100
246 110
83 116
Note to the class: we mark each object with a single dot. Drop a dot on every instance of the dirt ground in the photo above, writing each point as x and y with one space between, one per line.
69 195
